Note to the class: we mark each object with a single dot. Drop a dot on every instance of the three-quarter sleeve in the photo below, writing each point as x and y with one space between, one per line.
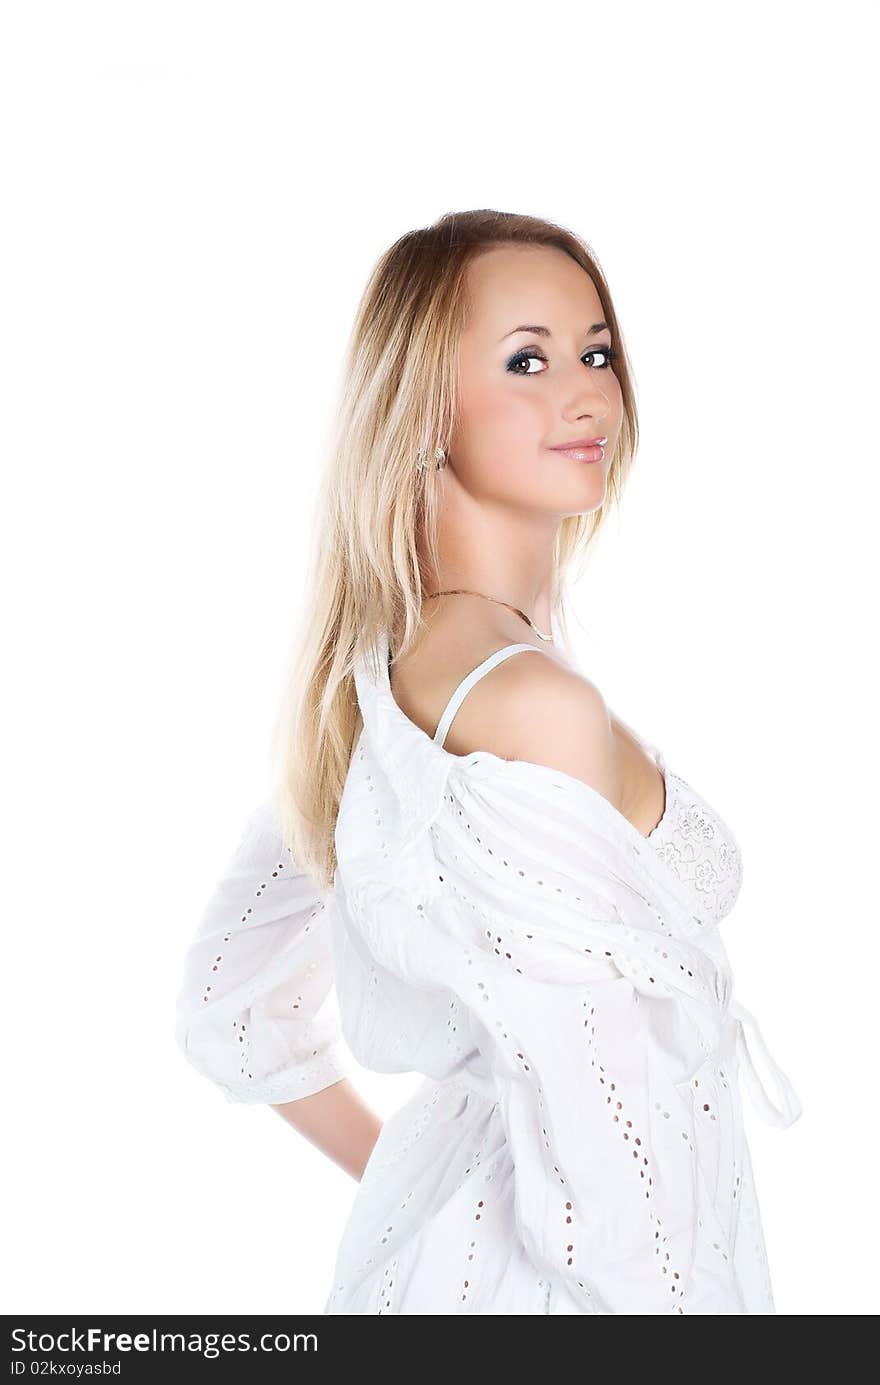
257 1011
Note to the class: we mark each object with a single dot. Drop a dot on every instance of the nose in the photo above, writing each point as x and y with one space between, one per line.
587 396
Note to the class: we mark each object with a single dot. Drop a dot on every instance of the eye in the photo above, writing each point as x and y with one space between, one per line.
607 356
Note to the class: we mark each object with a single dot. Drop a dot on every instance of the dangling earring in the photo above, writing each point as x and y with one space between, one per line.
439 456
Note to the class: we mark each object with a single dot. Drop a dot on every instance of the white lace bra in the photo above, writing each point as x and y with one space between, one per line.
690 838
697 846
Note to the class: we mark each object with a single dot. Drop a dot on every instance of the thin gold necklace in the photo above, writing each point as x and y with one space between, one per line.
463 591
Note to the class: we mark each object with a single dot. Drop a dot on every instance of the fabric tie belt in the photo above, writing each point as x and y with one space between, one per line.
744 1037
789 1107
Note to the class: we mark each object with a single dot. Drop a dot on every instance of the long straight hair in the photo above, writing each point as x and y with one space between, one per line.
377 510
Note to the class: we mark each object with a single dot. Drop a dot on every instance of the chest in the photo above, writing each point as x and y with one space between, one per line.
699 848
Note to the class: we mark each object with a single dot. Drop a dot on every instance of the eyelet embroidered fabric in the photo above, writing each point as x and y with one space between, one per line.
577 1143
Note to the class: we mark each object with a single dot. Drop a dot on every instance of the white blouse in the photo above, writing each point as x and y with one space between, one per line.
577 1143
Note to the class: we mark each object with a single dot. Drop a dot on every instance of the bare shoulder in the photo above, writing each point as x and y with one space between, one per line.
533 707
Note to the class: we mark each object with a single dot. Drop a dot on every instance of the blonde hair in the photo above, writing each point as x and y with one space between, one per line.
377 509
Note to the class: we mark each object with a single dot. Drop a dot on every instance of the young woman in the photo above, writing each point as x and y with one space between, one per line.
469 867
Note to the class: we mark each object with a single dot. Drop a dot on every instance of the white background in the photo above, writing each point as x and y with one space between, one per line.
194 195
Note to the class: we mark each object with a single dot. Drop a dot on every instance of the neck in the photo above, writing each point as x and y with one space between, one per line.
487 547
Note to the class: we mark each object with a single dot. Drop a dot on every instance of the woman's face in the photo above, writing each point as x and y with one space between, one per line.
523 392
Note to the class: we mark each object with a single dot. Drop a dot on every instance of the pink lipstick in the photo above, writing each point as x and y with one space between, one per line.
583 449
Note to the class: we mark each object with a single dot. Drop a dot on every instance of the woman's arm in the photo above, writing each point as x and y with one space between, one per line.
338 1122
257 1011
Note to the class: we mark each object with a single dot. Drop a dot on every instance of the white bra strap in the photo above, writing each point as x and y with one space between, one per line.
468 682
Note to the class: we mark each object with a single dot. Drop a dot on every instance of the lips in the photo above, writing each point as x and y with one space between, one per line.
579 444
581 454
583 451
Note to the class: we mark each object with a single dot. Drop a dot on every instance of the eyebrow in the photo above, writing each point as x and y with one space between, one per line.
545 331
